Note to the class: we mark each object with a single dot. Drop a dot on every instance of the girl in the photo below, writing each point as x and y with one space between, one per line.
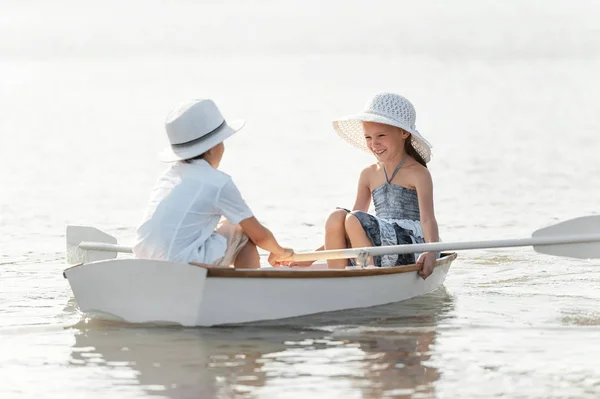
399 184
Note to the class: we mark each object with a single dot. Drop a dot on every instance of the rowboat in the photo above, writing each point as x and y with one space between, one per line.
150 291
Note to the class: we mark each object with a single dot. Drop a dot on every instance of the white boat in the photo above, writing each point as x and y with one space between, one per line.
147 291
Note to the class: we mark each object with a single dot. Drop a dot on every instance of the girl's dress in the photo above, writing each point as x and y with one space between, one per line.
396 220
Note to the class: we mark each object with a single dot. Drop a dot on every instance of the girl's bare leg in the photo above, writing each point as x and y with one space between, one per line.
248 257
356 234
335 237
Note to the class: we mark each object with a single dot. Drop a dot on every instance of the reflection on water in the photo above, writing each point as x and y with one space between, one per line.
375 353
175 362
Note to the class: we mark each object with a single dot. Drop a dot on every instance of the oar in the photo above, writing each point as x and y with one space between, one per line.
87 244
575 238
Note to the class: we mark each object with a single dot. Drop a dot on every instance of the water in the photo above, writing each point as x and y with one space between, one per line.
507 93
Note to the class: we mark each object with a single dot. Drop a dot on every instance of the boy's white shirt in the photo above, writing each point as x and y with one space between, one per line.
184 209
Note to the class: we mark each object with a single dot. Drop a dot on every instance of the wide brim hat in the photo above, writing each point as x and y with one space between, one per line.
388 109
194 128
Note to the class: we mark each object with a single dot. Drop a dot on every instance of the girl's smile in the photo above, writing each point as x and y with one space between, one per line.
384 141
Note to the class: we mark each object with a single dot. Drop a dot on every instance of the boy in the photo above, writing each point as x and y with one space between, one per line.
181 222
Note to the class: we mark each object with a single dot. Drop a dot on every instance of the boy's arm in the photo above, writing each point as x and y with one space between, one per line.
234 208
261 236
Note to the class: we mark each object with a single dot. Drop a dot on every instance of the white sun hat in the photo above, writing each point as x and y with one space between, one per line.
389 109
195 127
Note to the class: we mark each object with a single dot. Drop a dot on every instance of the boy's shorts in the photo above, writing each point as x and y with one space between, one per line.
236 239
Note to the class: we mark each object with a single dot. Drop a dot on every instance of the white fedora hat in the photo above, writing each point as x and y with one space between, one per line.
389 109
195 127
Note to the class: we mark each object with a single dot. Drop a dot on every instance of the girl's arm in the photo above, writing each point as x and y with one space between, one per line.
424 186
363 192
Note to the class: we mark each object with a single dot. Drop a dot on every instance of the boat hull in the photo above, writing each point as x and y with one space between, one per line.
143 291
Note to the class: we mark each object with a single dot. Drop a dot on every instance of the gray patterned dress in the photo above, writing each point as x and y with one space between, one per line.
396 220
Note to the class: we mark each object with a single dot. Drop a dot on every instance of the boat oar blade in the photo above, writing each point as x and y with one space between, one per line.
576 238
577 228
78 234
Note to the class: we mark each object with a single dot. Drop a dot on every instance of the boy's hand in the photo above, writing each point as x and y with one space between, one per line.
277 258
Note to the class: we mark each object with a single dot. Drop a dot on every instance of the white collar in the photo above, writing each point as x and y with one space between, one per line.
200 161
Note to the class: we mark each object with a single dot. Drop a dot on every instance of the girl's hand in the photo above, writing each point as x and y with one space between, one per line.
278 258
304 263
427 260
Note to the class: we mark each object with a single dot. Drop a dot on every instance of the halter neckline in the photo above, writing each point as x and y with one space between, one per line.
389 181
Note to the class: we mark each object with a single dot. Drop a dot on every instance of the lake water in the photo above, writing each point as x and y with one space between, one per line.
507 92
